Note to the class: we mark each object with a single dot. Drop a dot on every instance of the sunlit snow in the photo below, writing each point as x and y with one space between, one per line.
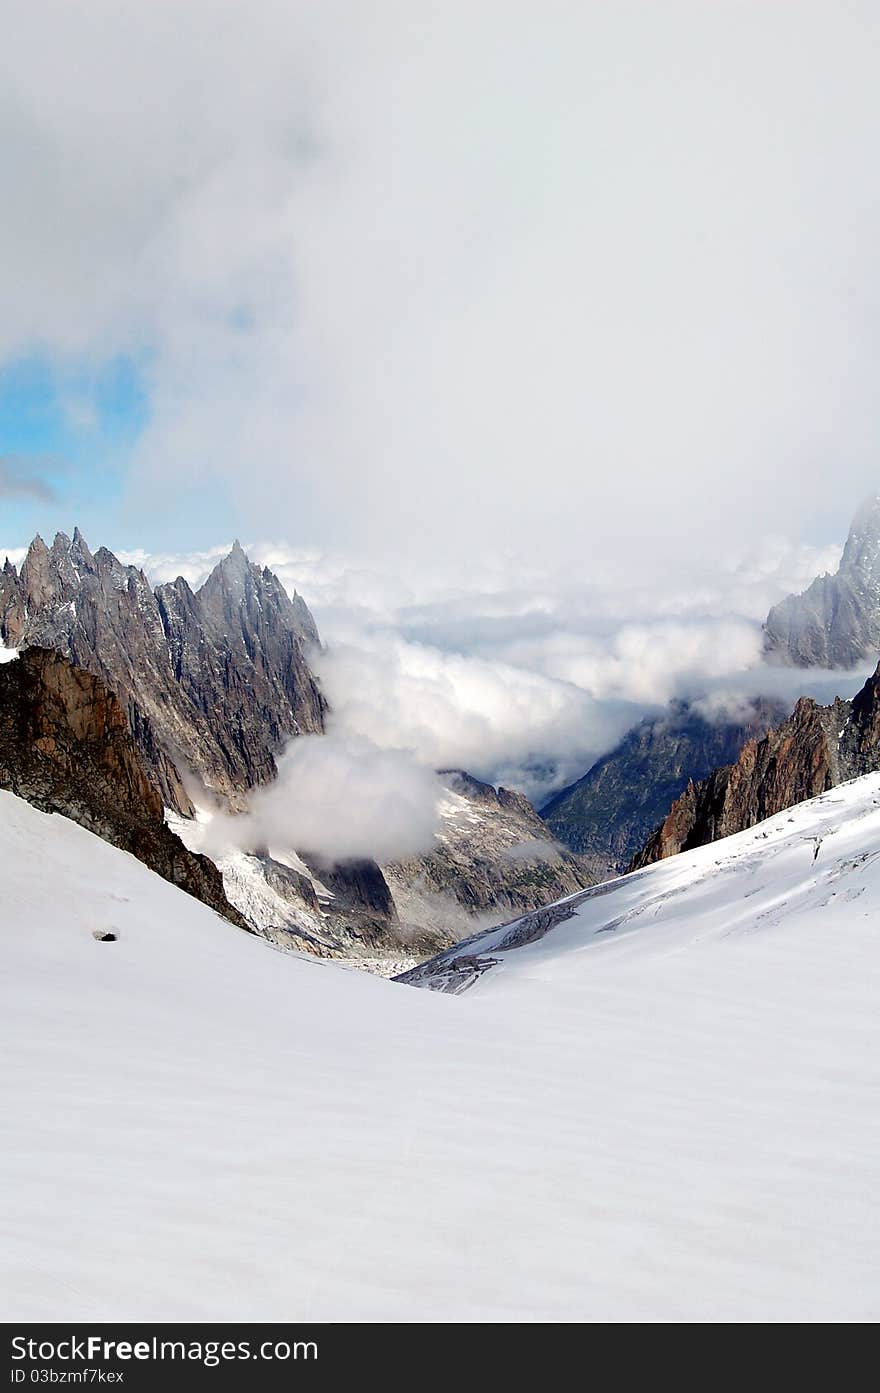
664 1108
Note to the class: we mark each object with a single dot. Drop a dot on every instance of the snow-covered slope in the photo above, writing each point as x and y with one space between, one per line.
664 1108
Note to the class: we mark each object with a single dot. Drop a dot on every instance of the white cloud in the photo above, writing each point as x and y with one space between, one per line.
337 797
457 710
586 280
523 676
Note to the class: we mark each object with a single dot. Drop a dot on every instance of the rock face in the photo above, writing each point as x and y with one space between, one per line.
606 815
66 747
835 623
213 682
493 857
344 910
817 748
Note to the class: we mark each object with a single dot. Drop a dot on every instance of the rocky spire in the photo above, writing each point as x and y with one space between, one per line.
214 684
835 623
862 551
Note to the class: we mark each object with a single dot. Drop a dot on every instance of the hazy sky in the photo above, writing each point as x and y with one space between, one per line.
588 281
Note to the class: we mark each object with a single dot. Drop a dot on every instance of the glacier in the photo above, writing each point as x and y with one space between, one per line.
661 1105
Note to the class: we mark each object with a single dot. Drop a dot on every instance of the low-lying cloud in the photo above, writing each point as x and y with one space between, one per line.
337 797
525 676
520 675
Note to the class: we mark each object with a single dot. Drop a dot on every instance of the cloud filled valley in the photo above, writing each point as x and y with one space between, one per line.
528 679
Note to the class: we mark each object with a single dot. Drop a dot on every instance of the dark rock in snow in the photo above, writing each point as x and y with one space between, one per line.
214 682
608 813
817 748
66 747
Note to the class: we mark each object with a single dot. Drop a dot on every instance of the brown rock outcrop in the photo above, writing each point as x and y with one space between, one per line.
213 682
65 747
817 748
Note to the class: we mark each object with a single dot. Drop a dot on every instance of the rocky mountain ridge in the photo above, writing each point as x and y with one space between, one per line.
66 747
213 682
817 748
492 857
607 814
835 622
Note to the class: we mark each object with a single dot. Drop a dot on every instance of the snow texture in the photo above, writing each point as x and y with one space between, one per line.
662 1109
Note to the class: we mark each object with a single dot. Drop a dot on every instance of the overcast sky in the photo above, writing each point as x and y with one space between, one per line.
593 282
536 343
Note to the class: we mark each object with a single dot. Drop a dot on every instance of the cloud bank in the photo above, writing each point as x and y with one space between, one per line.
584 280
526 678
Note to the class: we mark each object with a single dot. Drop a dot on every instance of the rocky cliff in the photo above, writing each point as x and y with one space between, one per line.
493 857
607 815
835 623
66 747
817 748
213 682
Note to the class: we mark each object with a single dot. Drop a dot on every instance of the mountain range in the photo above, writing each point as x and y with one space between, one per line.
697 1037
816 749
661 787
214 682
608 813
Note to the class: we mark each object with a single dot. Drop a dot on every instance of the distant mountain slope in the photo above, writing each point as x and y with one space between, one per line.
817 748
66 747
606 815
493 856
835 623
214 682
665 1109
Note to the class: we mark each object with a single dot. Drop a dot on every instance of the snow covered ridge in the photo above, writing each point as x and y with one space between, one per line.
662 1109
7 654
794 863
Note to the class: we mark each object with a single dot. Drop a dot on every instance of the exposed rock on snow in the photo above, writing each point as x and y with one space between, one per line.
493 856
607 815
817 748
66 747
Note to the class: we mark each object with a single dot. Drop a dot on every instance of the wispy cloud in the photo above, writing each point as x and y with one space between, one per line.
338 797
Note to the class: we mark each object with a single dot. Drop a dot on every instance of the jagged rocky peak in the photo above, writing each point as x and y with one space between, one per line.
835 622
243 597
214 683
862 551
